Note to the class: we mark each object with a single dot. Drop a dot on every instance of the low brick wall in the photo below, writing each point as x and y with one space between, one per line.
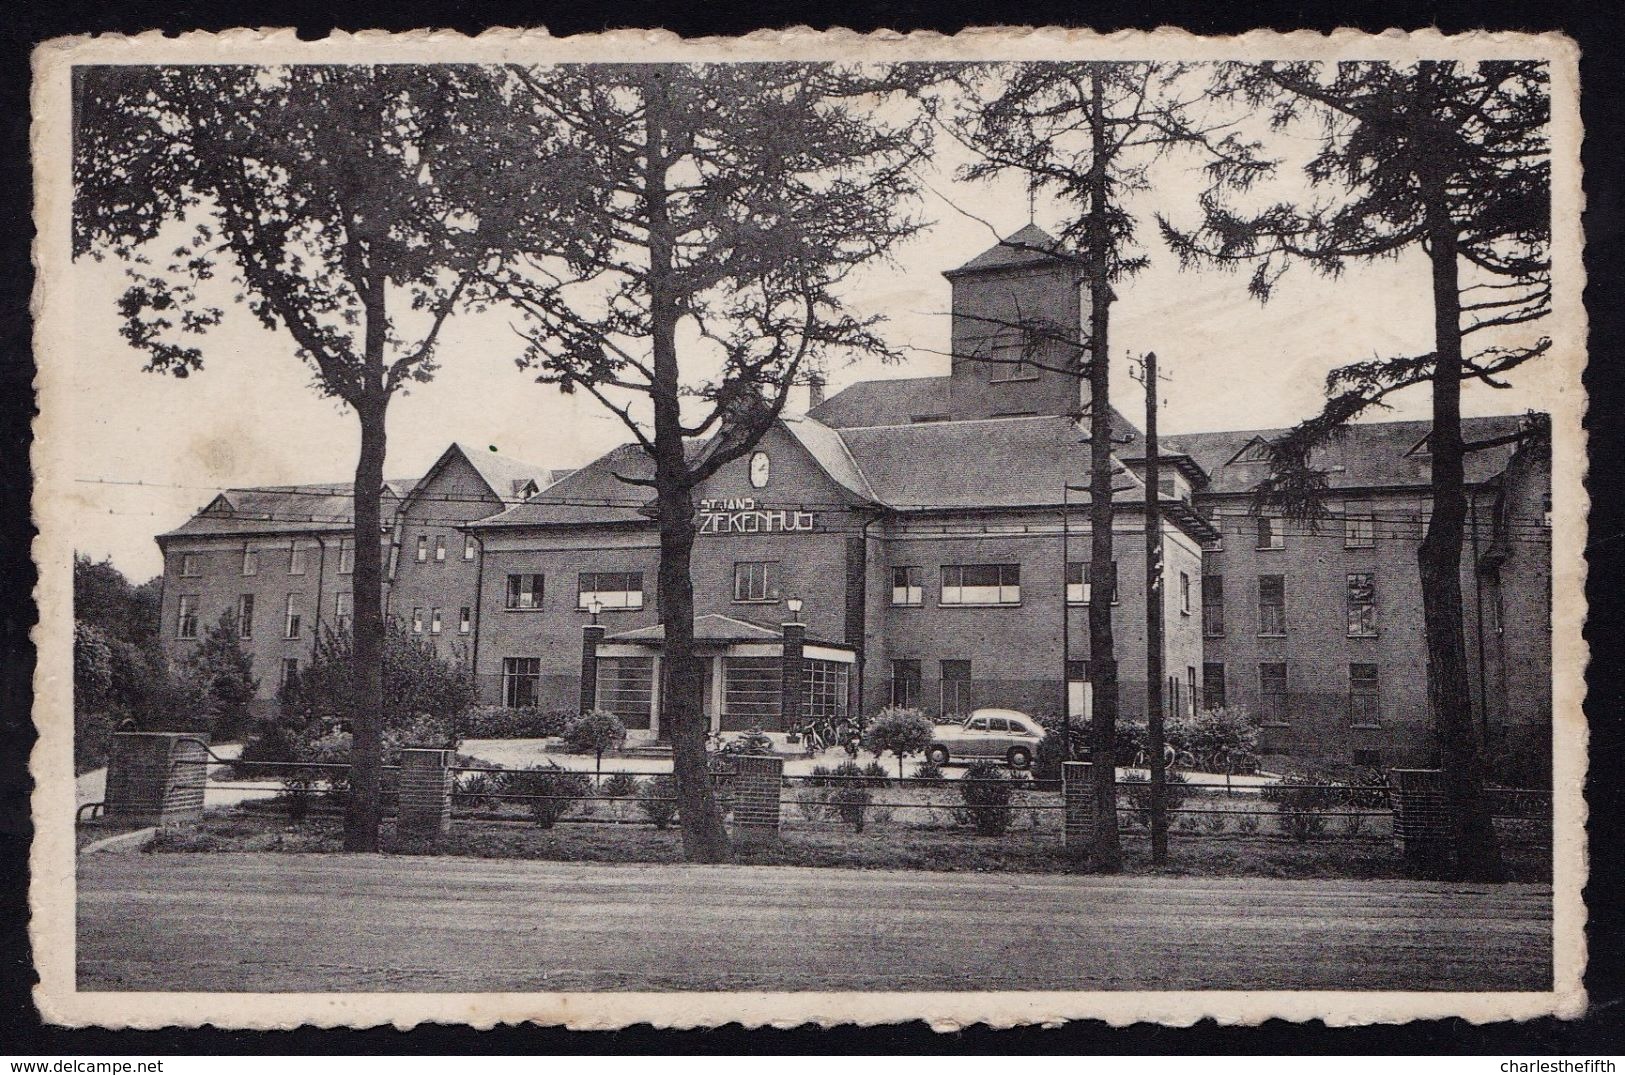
425 792
1422 821
156 778
756 796
1078 790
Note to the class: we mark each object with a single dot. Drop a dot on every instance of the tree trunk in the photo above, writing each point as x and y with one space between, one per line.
705 839
367 629
1107 849
1478 853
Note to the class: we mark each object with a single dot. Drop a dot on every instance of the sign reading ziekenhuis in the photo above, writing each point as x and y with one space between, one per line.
741 515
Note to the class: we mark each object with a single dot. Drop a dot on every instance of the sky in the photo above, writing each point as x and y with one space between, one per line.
150 449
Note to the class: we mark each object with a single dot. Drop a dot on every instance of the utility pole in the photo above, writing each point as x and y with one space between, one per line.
1153 619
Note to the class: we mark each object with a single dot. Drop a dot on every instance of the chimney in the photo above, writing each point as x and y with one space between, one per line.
815 389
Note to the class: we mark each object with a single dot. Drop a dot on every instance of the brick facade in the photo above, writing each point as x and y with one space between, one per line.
156 778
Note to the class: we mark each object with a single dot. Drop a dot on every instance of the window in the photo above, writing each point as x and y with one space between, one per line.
1362 602
1272 604
981 584
292 615
296 557
1272 692
1080 585
1365 708
1215 520
756 581
434 621
1190 687
524 591
468 546
1213 604
827 684
417 621
611 589
1009 353
1213 686
907 587
1270 534
440 548
189 565
251 560
245 616
346 556
187 625
1184 594
423 548
1167 488
1359 527
521 681
290 671
342 606
905 683
956 696
465 620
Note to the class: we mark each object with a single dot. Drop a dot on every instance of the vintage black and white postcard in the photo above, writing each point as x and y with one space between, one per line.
1004 528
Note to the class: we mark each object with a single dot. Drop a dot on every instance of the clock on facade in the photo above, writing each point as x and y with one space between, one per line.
759 466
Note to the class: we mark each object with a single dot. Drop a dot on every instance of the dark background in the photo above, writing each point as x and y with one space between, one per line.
1595 24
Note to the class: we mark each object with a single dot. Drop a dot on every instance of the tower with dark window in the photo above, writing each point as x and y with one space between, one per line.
1018 330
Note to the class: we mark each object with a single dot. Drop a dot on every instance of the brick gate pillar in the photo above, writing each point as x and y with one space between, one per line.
1422 822
791 684
591 635
425 792
156 778
756 796
1078 793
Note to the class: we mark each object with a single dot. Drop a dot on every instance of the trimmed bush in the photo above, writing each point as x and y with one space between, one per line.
850 795
899 731
618 786
593 733
557 790
480 791
987 789
495 722
657 798
1301 801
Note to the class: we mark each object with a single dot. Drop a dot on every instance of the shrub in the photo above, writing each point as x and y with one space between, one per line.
618 786
820 776
1214 822
224 674
987 790
480 791
850 794
1301 801
495 722
1354 824
1048 757
813 803
1210 732
1247 824
899 731
1134 792
593 733
754 741
928 770
556 788
877 775
657 798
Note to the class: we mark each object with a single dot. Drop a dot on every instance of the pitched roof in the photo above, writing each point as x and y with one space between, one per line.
1031 245
506 476
272 509
983 463
592 494
1368 454
890 401
831 453
709 627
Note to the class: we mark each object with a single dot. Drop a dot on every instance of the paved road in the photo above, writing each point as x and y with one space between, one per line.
250 922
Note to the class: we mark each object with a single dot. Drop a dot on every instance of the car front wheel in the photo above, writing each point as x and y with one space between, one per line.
938 755
1020 757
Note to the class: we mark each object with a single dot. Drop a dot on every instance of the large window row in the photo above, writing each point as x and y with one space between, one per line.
294 555
1359 600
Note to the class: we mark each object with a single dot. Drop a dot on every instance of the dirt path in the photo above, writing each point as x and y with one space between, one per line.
253 922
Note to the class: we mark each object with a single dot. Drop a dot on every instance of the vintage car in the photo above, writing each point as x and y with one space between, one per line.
1002 734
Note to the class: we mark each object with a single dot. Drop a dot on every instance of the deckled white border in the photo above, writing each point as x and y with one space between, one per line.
52 862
